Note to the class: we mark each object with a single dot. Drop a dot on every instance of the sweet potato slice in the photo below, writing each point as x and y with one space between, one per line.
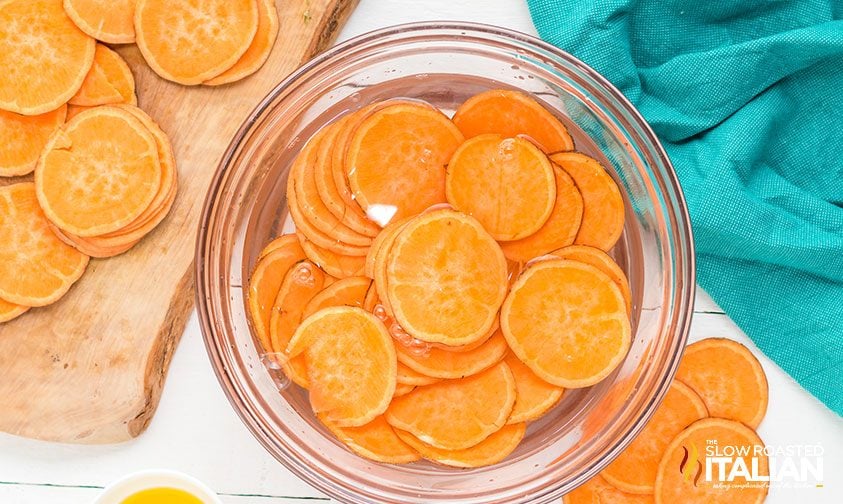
36 268
601 261
396 160
729 379
409 376
567 338
440 363
337 265
111 21
75 110
349 213
598 491
682 476
90 246
635 469
386 235
301 284
349 291
603 207
44 57
265 282
505 183
490 451
376 441
456 414
10 311
561 227
510 113
109 81
98 172
351 364
192 41
258 52
276 243
403 389
446 278
24 137
533 396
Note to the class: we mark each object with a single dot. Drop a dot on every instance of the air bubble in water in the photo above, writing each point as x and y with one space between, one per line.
271 362
304 275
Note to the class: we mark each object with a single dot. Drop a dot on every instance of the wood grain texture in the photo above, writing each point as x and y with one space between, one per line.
90 368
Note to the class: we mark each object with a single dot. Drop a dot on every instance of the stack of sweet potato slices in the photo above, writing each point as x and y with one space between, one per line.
433 259
719 396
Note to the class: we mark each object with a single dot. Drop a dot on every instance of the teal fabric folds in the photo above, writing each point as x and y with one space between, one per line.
747 98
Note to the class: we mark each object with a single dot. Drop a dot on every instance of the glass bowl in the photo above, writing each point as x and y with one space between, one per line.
444 64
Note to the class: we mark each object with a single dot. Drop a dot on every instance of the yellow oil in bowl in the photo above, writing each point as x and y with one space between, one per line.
162 495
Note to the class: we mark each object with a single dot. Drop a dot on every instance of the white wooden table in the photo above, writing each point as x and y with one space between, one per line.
197 432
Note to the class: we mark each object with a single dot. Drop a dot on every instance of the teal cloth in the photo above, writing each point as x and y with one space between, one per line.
747 98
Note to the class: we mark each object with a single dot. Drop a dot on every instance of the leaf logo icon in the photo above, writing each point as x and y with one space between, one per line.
690 462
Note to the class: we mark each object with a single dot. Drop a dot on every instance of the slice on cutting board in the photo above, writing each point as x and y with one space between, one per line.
351 364
446 278
507 184
566 338
108 81
491 450
265 282
456 414
192 41
10 311
36 268
603 207
729 379
110 21
635 469
376 441
301 283
598 491
258 52
533 396
396 160
510 113
601 261
682 474
52 63
24 137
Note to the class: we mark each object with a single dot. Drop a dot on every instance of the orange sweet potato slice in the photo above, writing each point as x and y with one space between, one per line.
376 441
108 81
75 110
505 183
24 137
635 469
598 491
409 376
265 282
10 311
490 451
440 363
349 291
385 236
456 414
403 389
351 364
396 160
301 283
729 379
601 261
337 265
561 227
36 268
111 21
682 476
90 246
533 396
302 180
446 278
603 207
52 61
566 338
98 172
258 52
276 243
192 41
510 113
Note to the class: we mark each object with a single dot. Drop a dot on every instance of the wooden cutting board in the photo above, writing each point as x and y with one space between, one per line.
90 368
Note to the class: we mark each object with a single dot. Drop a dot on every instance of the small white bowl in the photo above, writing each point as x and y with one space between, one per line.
143 480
